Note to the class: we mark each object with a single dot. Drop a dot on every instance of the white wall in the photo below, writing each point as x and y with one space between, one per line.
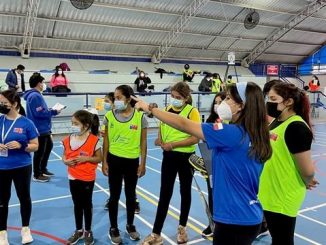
82 81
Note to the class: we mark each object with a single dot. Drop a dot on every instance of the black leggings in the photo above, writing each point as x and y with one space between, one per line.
225 234
281 228
122 169
41 156
22 181
174 163
82 193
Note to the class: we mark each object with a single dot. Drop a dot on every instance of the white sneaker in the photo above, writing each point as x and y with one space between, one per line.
26 235
4 238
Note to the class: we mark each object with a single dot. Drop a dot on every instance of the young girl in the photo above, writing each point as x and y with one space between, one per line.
82 153
109 106
177 148
124 141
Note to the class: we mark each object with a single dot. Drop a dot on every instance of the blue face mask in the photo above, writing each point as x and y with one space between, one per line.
107 106
176 103
120 105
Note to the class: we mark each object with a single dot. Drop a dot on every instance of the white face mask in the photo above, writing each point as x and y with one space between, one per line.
60 72
224 111
120 105
76 130
215 108
176 103
43 87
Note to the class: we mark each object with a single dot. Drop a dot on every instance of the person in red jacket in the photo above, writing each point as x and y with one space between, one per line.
314 84
82 153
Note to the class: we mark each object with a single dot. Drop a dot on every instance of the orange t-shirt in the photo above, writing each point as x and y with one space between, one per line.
83 171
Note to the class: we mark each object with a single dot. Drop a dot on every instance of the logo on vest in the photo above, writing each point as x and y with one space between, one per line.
83 153
273 136
133 127
18 130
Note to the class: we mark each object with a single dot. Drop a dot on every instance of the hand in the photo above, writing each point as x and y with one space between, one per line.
81 159
141 170
13 145
102 133
69 162
58 112
141 105
3 147
158 142
166 146
313 184
105 168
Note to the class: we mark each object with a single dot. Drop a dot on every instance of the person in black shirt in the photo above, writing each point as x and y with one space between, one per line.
141 82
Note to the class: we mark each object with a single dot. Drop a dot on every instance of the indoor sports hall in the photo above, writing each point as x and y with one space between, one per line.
85 49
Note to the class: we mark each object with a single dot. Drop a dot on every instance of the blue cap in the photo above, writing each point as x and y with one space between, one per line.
241 87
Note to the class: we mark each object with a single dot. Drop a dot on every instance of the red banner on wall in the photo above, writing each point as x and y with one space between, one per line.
272 70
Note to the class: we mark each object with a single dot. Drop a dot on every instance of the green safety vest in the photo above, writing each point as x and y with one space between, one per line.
124 137
170 134
281 188
216 85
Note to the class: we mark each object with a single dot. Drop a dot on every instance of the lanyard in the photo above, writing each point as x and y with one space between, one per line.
3 135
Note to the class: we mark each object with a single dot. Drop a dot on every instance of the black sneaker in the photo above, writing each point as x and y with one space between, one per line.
89 239
75 237
41 179
114 236
106 206
48 173
198 163
207 232
137 207
133 234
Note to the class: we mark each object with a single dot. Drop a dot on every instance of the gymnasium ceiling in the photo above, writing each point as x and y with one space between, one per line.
137 28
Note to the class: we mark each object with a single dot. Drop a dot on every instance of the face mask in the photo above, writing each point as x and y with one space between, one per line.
44 87
224 111
142 75
76 130
215 108
272 109
4 109
120 105
60 72
176 103
107 106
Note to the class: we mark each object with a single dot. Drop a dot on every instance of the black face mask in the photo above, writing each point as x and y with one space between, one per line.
4 109
272 109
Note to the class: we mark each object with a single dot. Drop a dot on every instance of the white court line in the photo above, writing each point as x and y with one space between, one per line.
138 216
307 239
48 199
312 208
319 144
177 179
196 241
56 154
318 155
313 220
171 207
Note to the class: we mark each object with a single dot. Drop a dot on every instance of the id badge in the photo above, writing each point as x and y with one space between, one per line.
4 153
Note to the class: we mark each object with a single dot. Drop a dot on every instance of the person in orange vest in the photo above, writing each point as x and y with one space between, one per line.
82 153
314 84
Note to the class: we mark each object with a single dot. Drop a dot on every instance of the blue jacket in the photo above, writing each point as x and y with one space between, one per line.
11 80
38 111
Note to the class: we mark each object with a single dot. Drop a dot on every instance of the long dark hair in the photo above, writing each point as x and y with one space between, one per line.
13 98
213 115
127 91
89 120
56 74
253 118
301 104
269 85
184 90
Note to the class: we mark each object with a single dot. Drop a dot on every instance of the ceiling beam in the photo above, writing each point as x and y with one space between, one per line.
124 43
280 32
53 19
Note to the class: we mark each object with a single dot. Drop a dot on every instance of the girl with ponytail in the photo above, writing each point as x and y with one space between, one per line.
290 171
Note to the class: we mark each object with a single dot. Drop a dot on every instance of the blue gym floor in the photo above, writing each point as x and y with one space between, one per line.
53 221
